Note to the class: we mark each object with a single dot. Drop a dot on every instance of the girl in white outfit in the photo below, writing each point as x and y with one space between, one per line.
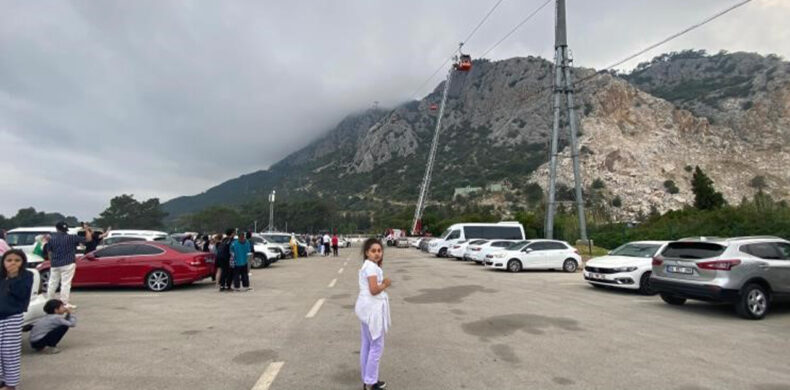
373 311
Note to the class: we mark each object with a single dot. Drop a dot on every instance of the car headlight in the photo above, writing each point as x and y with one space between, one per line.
625 269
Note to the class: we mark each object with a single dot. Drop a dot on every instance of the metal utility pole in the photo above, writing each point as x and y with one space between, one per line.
271 211
563 84
426 180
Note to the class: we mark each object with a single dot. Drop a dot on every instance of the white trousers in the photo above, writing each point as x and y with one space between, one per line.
61 276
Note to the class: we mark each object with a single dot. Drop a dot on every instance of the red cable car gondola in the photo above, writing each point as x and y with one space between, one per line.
464 63
434 107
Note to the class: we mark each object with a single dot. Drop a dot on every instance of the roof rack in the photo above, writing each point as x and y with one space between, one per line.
754 237
703 238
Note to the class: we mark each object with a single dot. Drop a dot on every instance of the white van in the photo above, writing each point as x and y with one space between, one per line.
25 238
461 232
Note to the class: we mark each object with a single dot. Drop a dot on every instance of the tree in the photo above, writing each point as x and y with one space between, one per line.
759 183
705 195
127 213
30 217
671 187
617 202
213 219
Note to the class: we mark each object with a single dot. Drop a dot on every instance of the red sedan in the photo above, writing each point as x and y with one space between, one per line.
154 265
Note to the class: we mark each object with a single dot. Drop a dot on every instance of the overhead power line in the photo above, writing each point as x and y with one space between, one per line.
449 58
518 26
626 59
676 35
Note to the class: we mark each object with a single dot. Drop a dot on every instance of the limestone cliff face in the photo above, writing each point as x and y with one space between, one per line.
634 142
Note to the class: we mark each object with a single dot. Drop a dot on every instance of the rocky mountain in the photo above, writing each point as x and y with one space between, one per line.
727 113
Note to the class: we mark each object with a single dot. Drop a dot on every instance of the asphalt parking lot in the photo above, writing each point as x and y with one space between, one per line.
455 325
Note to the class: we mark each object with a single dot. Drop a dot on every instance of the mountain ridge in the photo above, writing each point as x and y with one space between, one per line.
496 130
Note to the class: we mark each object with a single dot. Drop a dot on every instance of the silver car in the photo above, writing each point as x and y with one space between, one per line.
750 272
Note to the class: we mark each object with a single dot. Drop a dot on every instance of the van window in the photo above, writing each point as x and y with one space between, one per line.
454 235
493 232
692 250
446 234
22 238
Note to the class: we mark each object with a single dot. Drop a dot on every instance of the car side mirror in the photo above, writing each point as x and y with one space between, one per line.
527 250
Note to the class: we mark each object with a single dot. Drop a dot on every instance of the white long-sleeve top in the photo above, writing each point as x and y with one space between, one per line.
373 310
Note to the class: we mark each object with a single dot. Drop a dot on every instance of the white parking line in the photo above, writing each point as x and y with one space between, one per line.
268 376
315 308
332 283
340 271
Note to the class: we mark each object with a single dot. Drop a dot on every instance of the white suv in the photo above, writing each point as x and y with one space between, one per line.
628 267
536 254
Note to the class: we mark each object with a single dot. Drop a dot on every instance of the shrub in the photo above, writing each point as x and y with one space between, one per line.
598 184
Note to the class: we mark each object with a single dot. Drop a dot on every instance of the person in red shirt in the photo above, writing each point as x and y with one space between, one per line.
334 244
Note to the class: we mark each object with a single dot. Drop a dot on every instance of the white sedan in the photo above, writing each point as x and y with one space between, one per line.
536 254
35 309
628 266
458 250
478 252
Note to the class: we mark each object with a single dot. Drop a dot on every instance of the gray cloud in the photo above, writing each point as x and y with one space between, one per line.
164 98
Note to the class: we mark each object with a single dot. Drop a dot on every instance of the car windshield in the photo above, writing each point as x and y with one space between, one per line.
478 242
692 250
446 233
636 250
517 246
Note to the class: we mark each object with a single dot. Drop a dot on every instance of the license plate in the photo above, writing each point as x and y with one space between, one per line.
598 276
680 270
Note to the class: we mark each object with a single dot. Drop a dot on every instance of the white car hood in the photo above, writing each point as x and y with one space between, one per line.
619 261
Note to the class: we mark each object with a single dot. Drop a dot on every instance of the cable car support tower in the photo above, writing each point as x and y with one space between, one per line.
563 85
462 63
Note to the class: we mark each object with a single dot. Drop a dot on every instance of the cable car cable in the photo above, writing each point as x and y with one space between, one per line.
518 26
450 58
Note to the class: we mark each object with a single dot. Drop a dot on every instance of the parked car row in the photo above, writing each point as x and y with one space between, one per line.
751 273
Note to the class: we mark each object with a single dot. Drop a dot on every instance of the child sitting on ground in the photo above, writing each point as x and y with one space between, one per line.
50 329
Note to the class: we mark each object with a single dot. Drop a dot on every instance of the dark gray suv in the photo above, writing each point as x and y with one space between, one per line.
750 272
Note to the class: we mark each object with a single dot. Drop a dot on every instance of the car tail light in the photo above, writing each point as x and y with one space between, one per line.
719 265
657 261
475 249
456 246
195 261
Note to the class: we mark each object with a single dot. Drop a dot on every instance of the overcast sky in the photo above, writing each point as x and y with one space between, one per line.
166 98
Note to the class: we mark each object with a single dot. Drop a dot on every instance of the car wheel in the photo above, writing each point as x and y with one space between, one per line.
158 280
570 265
258 261
514 265
44 275
753 303
443 252
672 300
645 288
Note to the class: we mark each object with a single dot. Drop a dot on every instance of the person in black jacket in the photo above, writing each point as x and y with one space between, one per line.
16 283
223 261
